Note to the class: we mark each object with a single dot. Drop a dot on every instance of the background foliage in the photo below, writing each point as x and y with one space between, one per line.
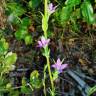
72 32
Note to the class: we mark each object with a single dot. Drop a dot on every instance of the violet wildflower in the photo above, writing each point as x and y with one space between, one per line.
51 8
43 42
59 66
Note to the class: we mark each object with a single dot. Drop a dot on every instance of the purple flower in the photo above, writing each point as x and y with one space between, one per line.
43 42
51 8
59 66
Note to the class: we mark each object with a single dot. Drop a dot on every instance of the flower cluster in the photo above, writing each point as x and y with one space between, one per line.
51 8
59 66
43 42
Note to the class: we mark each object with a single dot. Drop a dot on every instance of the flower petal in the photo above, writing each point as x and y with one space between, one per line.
63 66
43 40
39 44
60 71
58 62
47 41
54 65
50 6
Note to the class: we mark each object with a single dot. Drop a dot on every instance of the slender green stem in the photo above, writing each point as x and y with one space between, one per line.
46 49
50 74
45 14
30 86
45 8
44 83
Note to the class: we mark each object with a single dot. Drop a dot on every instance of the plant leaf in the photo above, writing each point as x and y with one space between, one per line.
87 12
10 58
3 46
25 89
21 32
26 21
92 90
16 9
28 39
65 14
34 3
35 80
72 3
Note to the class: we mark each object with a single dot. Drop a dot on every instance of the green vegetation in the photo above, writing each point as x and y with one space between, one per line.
47 47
